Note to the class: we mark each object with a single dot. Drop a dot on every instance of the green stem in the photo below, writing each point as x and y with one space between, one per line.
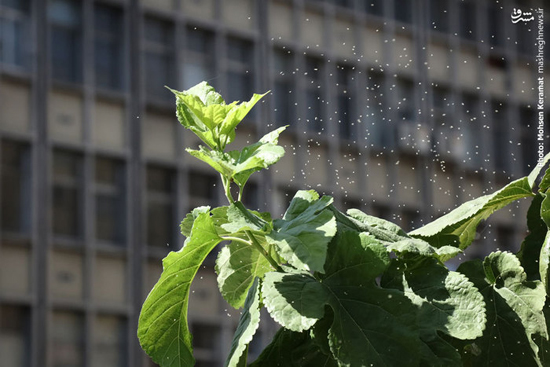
262 250
227 188
236 239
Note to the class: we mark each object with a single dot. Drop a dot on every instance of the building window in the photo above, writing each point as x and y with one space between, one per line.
16 187
110 201
439 15
160 207
313 76
15 336
504 238
68 198
528 139
202 189
501 151
109 33
467 16
495 15
344 112
379 131
66 40
67 339
110 342
159 58
468 113
403 10
405 100
374 7
198 63
240 70
14 32
344 3
524 39
284 95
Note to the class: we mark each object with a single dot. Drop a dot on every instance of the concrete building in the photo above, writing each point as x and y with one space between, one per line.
403 108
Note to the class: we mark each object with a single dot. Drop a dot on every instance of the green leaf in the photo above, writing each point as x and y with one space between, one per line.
458 227
530 252
296 301
514 311
393 236
302 236
163 331
221 162
240 219
371 325
238 165
278 352
544 259
545 182
292 349
256 156
237 266
187 222
448 301
248 324
202 110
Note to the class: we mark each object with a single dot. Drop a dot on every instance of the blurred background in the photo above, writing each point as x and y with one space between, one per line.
402 108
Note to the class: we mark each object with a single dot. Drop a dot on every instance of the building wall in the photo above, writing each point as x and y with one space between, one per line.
403 109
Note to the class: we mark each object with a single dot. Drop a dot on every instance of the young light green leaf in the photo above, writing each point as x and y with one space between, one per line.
237 266
220 161
296 301
248 324
256 156
163 331
514 311
302 236
458 227
202 110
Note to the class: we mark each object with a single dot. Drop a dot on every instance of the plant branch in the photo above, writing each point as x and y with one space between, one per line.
227 188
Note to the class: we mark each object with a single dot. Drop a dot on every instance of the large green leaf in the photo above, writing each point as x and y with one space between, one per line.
544 260
296 301
392 235
248 324
371 325
448 301
458 227
237 265
514 311
293 349
202 110
163 331
302 236
530 252
187 222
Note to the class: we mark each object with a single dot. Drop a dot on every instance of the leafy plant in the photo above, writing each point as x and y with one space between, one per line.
349 289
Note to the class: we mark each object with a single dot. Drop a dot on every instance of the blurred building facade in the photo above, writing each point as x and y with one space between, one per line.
403 109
